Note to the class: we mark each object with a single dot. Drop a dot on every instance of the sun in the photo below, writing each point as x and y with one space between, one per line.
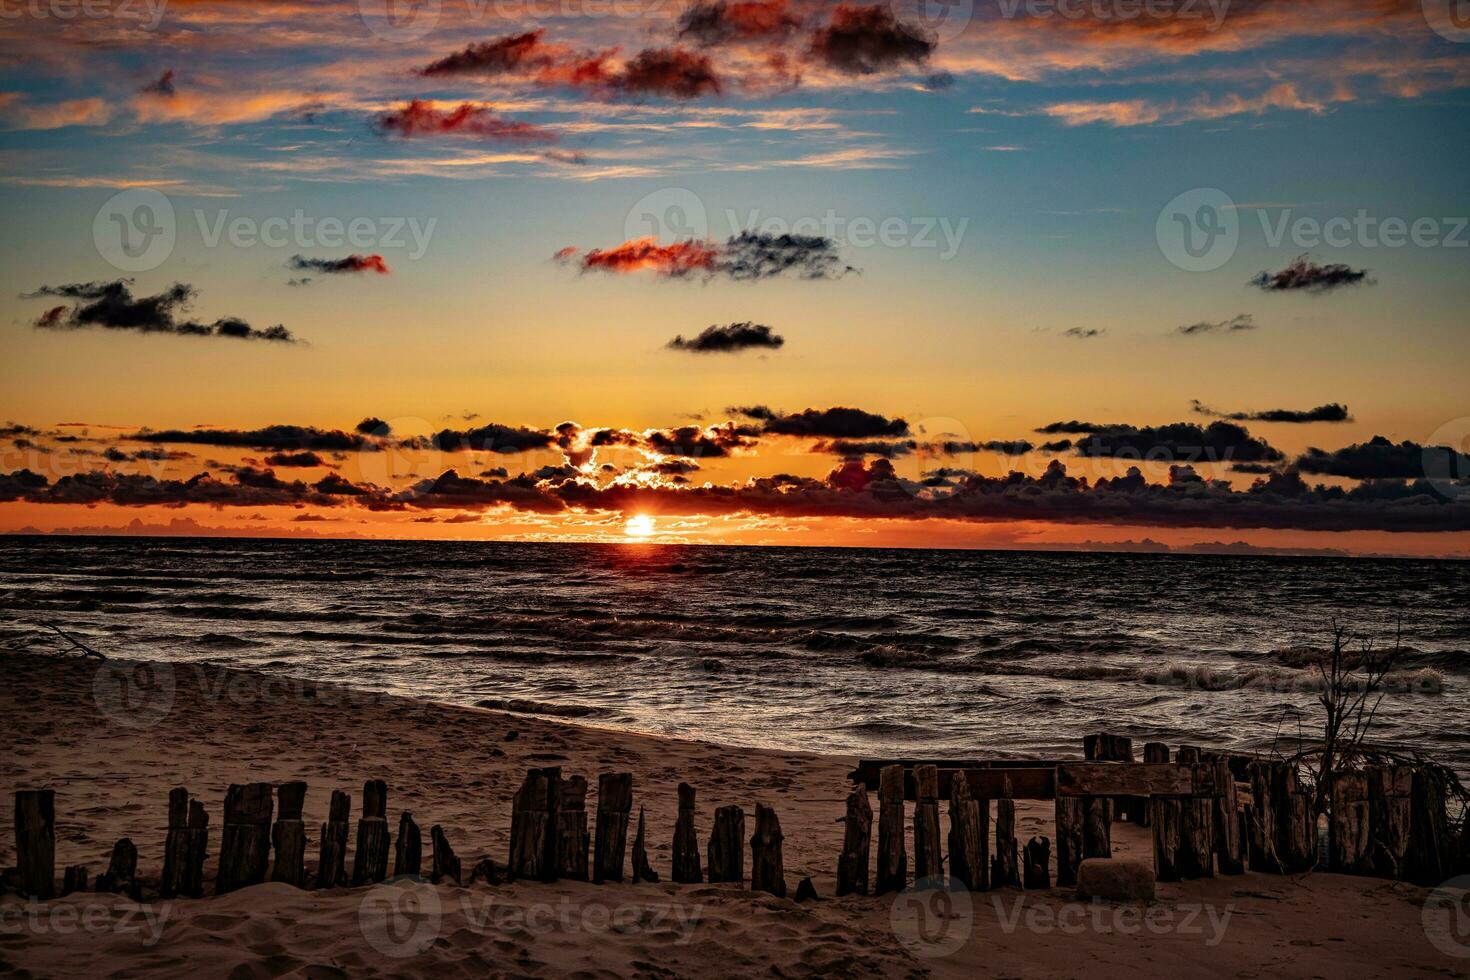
639 526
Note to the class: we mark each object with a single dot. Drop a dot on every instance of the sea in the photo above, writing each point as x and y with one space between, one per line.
864 652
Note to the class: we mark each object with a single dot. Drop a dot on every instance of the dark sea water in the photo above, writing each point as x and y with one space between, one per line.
869 652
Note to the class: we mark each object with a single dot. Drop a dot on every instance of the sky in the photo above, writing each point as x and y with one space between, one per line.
1139 274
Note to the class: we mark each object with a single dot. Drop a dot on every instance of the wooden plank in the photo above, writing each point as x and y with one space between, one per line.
1131 779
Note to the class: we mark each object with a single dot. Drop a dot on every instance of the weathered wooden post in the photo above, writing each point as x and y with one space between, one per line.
1229 844
642 870
1263 857
1195 857
1038 863
35 842
857 836
185 846
1427 859
1005 868
1389 791
331 870
571 828
767 871
928 848
893 864
122 871
533 826
289 835
370 860
1097 827
1349 827
1165 815
614 803
73 879
726 853
445 861
686 841
1154 753
1069 819
966 845
408 849
245 839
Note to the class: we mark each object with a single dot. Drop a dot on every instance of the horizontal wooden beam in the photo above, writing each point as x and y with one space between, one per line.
867 770
1136 779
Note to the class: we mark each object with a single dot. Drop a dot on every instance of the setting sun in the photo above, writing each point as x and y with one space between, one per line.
639 526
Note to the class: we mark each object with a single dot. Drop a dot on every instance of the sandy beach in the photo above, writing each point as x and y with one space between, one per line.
112 760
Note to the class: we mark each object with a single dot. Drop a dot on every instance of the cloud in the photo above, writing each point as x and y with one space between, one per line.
1219 442
491 438
349 264
746 257
111 305
858 449
423 118
717 22
1381 459
505 55
1322 413
272 438
1083 333
1236 324
301 460
830 423
57 115
866 40
374 426
729 339
671 72
1308 276
162 86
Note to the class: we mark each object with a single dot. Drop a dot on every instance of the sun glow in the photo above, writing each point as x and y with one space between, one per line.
639 526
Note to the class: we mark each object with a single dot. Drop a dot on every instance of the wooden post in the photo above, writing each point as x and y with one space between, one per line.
1153 753
767 872
642 870
1300 828
1263 856
686 841
571 828
445 861
966 861
928 848
1038 863
893 862
1005 868
121 876
73 879
1350 823
1229 845
35 842
185 847
1195 857
857 836
1165 815
1069 838
1097 827
614 803
533 826
726 854
245 840
1427 859
331 870
370 860
408 849
1389 791
289 836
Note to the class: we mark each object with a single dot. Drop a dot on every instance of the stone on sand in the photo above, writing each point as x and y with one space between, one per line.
1115 880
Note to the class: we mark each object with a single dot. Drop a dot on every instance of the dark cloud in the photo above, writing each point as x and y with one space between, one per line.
860 448
692 441
111 305
729 339
671 72
1381 459
1305 275
746 257
491 438
1058 446
1236 324
1075 427
512 53
421 118
827 423
1083 333
162 86
374 426
717 22
1322 413
272 438
938 82
865 40
349 264
1218 442
301 460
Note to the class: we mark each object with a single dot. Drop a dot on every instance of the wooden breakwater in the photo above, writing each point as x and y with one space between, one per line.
1207 813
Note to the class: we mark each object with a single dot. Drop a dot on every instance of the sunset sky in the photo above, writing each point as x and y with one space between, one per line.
753 271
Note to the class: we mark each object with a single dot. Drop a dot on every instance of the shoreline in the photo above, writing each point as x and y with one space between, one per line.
112 761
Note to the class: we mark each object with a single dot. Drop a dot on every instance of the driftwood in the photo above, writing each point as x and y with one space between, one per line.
408 849
1349 826
726 853
614 803
1037 860
121 876
857 837
445 863
767 872
642 870
331 870
1005 867
533 826
370 859
35 843
967 843
571 828
289 835
893 868
1390 790
76 644
184 847
928 847
1069 819
73 879
686 841
245 838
